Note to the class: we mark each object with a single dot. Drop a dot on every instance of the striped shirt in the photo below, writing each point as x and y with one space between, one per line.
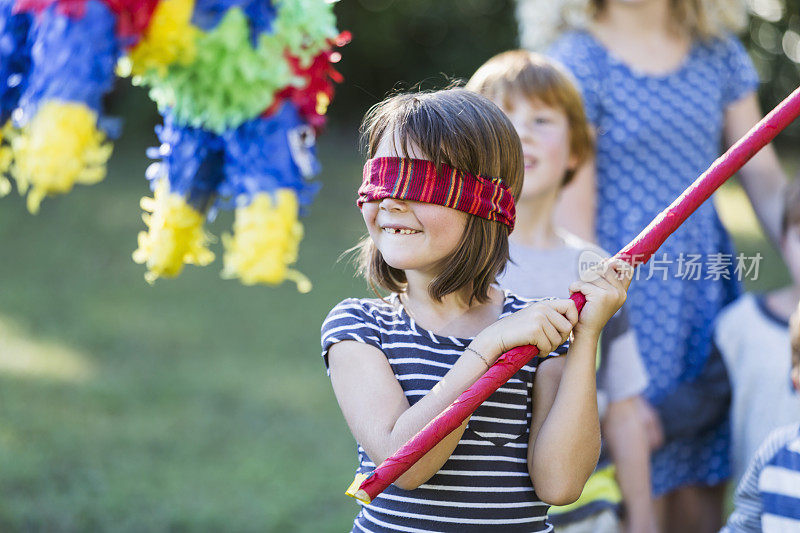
768 496
485 484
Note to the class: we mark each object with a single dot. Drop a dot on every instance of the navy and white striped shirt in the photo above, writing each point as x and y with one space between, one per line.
768 496
485 484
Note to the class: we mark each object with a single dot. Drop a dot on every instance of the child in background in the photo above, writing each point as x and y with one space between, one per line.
547 112
756 356
768 496
438 203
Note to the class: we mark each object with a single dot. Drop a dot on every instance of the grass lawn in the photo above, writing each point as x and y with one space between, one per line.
195 404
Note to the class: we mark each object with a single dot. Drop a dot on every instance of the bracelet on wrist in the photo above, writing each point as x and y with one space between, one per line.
486 361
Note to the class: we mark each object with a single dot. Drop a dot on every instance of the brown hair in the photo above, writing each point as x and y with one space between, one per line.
459 128
703 19
791 206
538 79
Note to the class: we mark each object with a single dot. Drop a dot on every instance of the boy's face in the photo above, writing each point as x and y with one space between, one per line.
544 132
791 251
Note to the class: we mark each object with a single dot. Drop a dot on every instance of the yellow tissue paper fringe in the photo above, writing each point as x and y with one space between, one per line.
266 235
175 235
169 38
59 147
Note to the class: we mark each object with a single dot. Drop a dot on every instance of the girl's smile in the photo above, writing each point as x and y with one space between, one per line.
393 229
413 235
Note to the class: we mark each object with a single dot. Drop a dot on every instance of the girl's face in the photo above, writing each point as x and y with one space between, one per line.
412 235
544 133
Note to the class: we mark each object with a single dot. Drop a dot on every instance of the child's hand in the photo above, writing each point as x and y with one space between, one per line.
605 294
545 324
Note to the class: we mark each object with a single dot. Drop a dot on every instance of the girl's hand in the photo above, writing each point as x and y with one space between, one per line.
604 294
545 324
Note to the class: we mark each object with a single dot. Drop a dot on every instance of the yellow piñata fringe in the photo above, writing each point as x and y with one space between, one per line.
266 235
170 38
59 147
175 235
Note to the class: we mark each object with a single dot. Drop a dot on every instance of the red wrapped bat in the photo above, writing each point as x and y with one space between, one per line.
638 251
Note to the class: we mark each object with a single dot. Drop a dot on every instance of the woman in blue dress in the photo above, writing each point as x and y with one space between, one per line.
666 85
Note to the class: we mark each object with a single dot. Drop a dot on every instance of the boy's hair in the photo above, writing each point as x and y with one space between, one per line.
468 132
791 206
539 80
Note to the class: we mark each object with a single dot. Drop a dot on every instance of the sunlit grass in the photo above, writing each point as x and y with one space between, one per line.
23 355
739 218
193 404
737 214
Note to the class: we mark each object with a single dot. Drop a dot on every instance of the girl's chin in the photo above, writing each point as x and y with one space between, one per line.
407 263
402 264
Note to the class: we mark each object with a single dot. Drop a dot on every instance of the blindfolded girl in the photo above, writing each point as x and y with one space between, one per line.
437 199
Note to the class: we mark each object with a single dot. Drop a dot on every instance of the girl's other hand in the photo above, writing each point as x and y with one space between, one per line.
605 293
546 325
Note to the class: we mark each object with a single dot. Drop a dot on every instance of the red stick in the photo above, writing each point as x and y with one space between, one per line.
638 251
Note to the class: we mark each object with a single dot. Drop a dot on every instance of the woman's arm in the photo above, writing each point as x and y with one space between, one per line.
762 177
577 207
630 453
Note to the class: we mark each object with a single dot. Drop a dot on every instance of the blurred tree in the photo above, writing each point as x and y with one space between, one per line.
399 43
773 40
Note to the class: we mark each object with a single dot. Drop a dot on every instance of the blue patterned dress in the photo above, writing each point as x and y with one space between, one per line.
655 135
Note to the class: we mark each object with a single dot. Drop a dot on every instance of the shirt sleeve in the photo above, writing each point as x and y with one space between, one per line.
746 516
349 320
741 77
561 350
621 374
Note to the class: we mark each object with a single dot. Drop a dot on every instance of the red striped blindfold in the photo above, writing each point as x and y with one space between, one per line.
420 180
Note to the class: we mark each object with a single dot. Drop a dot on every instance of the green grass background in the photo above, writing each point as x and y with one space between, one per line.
196 404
